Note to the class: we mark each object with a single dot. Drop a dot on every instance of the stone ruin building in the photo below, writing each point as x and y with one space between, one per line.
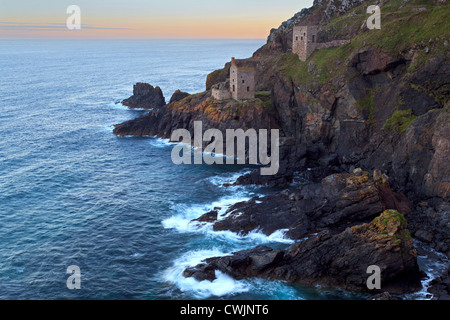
241 84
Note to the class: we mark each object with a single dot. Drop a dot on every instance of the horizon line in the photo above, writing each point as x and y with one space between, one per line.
127 38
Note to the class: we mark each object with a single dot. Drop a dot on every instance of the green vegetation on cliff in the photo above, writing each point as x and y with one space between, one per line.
393 224
404 25
400 120
366 104
438 91
319 67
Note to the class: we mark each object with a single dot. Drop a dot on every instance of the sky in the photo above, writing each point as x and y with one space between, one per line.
243 19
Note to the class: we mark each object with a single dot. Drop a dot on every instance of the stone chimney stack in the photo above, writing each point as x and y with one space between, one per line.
242 79
305 40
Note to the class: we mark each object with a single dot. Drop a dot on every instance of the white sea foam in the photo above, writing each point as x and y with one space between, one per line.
433 267
120 106
224 242
160 142
222 285
277 236
117 105
182 222
107 128
227 178
255 237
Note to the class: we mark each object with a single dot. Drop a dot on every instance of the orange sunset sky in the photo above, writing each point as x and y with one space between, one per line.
146 19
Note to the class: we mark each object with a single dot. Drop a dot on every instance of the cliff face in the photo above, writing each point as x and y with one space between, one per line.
376 119
381 101
338 201
342 225
255 113
383 242
378 102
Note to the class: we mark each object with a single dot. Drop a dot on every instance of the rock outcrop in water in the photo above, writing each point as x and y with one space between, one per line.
254 113
332 260
145 96
349 221
337 202
381 101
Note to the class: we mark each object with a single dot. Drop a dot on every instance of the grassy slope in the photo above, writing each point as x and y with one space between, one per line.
401 27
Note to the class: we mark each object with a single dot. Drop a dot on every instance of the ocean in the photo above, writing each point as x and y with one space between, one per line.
72 193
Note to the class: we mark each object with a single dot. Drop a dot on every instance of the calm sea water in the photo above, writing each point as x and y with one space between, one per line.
72 193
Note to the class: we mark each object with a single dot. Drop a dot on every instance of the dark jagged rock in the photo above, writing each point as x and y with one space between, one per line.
210 216
440 287
389 198
334 260
339 209
239 265
200 273
178 95
316 174
145 96
283 178
421 161
338 201
430 223
370 61
221 115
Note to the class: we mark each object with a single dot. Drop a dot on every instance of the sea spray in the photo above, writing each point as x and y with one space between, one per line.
222 285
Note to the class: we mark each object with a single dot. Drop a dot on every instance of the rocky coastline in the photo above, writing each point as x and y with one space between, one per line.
366 125
341 225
